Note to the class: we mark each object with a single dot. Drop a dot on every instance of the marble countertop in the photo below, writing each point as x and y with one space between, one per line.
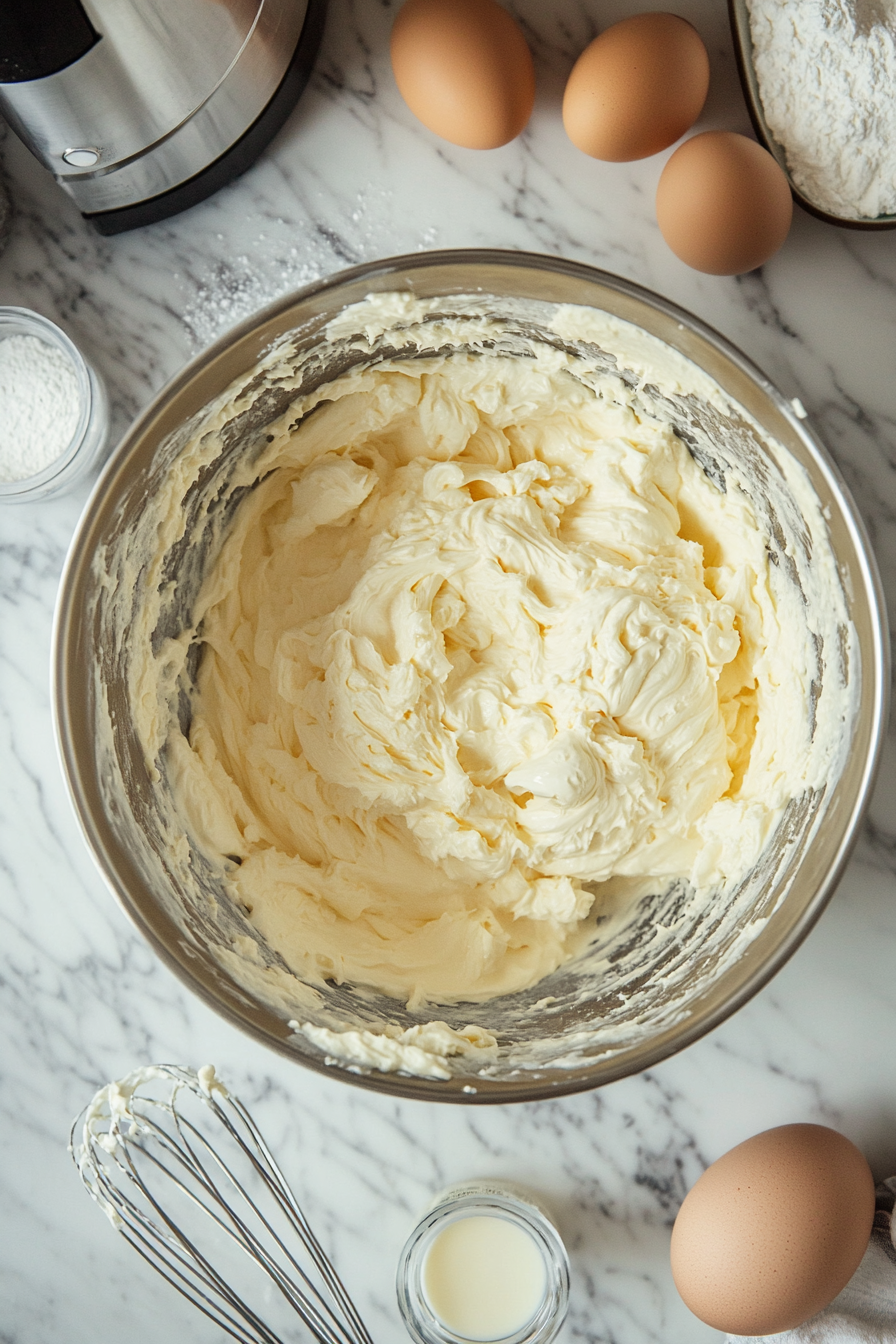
353 177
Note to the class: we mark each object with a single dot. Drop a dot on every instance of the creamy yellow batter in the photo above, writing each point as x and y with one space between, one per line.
482 639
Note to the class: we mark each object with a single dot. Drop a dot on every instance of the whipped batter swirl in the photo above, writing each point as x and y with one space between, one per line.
482 638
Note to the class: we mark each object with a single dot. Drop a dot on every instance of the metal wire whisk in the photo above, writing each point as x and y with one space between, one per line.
166 1136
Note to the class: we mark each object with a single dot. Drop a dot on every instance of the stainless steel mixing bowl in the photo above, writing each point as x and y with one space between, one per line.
677 972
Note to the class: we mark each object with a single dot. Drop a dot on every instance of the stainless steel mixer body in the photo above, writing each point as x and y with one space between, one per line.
153 94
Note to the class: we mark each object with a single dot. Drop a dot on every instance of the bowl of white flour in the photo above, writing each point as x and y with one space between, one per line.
54 418
469 675
820 83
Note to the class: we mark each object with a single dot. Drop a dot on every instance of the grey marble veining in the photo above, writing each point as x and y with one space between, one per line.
353 177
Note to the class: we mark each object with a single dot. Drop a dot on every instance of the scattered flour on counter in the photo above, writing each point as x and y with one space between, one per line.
235 284
827 79
39 406
239 287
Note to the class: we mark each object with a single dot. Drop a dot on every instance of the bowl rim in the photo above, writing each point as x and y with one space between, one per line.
527 1087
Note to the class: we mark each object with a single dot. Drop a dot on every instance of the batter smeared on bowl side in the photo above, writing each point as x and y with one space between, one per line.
481 643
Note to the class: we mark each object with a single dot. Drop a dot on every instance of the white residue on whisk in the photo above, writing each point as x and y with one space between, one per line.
39 406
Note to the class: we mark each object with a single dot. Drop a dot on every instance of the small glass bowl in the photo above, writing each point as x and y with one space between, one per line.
92 430
498 1199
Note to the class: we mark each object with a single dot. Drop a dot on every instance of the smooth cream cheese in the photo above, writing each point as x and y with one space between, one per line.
483 647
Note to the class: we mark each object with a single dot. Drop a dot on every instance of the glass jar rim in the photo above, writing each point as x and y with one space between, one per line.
495 1199
26 322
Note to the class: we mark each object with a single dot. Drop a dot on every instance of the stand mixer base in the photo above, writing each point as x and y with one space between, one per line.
241 154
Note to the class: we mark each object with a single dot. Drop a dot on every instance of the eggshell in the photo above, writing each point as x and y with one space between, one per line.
772 1231
723 204
638 87
464 69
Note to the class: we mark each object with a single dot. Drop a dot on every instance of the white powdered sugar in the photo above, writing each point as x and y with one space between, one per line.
39 406
827 79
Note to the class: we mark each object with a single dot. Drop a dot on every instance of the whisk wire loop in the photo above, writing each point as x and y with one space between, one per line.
244 1233
201 1300
251 1243
132 1145
146 1237
293 1211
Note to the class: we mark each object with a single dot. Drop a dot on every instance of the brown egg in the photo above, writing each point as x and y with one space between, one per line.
636 88
723 204
463 68
772 1231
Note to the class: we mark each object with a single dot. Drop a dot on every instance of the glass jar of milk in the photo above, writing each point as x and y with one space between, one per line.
485 1263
